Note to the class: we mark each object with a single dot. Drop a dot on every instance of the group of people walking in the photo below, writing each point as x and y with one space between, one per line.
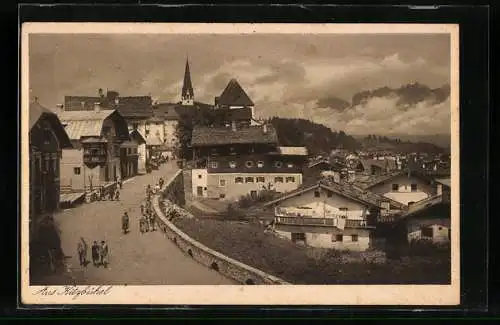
100 253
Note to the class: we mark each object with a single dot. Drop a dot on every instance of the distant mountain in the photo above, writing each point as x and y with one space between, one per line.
440 140
406 95
398 145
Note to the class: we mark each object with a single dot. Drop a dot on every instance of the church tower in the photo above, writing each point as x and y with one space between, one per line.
187 96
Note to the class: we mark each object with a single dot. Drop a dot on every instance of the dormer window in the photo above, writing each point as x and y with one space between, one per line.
214 164
249 164
232 164
289 165
260 164
278 164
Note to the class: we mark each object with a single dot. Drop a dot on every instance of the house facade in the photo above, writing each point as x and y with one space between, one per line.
406 188
95 158
47 139
230 162
329 215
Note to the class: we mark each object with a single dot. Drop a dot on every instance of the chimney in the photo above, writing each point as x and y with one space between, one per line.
100 92
60 108
264 128
97 107
233 125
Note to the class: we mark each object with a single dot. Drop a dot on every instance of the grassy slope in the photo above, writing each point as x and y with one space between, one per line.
250 245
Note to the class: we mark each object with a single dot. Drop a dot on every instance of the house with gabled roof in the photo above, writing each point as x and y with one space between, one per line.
96 157
330 215
47 140
230 162
405 186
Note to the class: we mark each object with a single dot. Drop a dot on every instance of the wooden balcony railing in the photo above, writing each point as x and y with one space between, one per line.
304 221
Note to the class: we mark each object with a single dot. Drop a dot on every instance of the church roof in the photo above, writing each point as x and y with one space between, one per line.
234 95
187 86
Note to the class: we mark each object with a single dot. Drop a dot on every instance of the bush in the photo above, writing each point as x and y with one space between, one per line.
265 195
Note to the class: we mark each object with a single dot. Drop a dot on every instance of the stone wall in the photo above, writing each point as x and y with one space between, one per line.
229 267
174 189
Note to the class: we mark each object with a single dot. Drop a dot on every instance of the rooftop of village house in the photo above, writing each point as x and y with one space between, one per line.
208 136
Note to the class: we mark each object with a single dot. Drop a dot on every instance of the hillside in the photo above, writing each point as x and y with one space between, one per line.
316 137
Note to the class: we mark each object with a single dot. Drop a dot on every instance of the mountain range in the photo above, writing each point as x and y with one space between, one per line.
407 95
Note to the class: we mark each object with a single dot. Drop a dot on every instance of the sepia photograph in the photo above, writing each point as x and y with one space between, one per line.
240 164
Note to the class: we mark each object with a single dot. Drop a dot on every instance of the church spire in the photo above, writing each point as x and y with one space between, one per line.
187 96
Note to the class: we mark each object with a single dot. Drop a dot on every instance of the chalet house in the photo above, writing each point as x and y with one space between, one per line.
330 215
47 139
406 187
235 105
430 219
136 110
96 156
169 114
231 162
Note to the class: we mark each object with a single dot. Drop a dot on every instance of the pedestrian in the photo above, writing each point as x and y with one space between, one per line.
110 194
103 252
125 222
161 182
152 221
142 209
95 253
117 195
157 189
119 181
80 249
143 224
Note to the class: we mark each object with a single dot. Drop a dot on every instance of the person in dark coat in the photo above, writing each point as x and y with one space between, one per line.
125 222
95 253
103 252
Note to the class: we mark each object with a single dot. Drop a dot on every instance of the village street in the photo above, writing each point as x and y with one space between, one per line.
134 259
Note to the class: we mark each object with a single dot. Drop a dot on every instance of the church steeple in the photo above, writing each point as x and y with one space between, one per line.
187 96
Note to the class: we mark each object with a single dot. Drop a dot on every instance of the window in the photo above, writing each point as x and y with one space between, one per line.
329 194
426 231
298 236
222 182
344 209
354 237
213 152
232 164
76 170
214 164
249 164
199 176
249 180
253 194
232 151
413 187
278 179
395 187
278 164
289 165
290 179
338 238
316 194
147 132
222 195
238 180
260 164
260 179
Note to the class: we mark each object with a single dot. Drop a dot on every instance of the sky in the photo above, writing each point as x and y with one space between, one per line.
285 75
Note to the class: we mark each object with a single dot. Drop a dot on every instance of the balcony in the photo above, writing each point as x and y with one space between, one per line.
94 159
330 222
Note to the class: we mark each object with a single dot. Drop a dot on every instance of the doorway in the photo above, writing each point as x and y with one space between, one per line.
199 191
